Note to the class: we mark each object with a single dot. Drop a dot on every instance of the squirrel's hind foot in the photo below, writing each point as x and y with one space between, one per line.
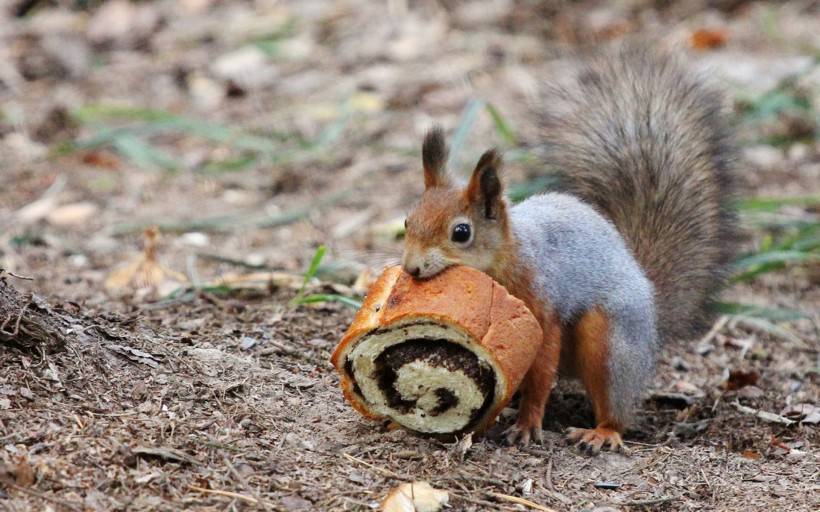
592 440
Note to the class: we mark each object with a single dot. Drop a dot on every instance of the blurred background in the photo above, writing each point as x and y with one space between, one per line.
252 132
177 178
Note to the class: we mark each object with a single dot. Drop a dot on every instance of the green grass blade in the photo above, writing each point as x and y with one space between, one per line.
757 264
501 126
310 273
143 154
772 314
321 297
537 185
768 204
314 265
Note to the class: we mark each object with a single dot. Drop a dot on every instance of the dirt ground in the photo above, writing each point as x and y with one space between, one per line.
251 133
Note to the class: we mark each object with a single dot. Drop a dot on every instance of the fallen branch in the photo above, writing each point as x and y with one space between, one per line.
763 415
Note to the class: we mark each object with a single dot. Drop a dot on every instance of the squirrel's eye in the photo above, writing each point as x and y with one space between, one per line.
461 233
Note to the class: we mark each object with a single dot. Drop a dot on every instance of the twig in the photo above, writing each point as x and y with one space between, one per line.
549 476
520 501
227 494
12 274
16 330
475 501
244 484
381 471
718 325
763 415
551 488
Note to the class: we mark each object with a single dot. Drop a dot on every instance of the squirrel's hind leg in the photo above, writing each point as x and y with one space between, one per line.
593 350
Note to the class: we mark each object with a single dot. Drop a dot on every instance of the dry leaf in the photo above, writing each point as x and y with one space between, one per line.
145 271
750 454
364 280
804 413
415 497
705 39
24 473
739 378
72 214
103 159
36 210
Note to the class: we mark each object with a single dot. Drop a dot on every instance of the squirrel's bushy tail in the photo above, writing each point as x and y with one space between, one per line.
644 140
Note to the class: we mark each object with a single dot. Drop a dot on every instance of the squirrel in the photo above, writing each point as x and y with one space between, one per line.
627 256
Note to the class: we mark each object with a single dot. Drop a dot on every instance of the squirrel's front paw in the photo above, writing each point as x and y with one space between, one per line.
591 441
520 433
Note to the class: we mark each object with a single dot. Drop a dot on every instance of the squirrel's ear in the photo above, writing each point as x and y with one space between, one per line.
434 157
485 186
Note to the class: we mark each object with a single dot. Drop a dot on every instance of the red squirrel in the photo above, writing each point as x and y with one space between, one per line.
627 258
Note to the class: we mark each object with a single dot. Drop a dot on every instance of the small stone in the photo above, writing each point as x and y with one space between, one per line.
798 152
195 239
248 67
318 342
122 24
206 93
248 343
763 156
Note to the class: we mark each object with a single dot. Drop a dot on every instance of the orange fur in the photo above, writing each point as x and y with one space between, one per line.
591 359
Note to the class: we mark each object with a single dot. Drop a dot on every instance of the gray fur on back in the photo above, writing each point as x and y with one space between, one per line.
581 262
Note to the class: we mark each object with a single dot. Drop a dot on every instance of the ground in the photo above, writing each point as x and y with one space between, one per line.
251 133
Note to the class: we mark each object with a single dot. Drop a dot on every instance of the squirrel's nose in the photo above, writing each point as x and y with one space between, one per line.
413 271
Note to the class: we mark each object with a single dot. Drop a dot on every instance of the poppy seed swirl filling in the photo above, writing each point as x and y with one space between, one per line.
425 376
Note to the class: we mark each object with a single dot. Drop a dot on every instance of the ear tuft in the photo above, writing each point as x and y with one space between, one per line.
434 158
485 186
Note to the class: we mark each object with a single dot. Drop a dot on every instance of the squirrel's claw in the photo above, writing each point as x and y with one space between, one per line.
591 441
523 434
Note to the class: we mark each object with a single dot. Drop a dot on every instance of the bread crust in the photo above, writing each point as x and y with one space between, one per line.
459 296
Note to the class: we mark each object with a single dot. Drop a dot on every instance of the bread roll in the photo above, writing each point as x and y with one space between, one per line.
438 356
